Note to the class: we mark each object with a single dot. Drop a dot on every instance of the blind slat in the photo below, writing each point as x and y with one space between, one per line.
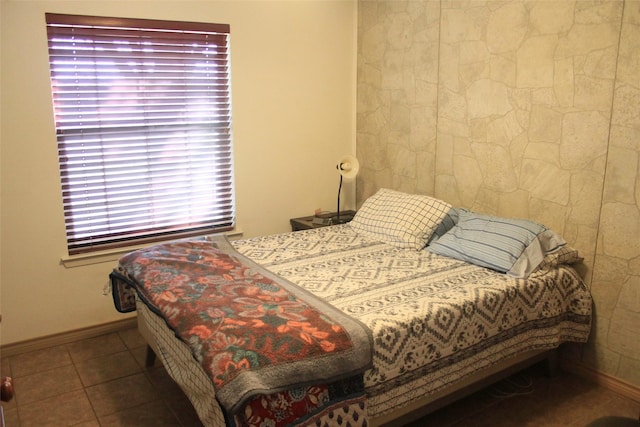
143 122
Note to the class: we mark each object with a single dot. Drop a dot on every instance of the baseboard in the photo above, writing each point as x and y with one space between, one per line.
605 380
66 337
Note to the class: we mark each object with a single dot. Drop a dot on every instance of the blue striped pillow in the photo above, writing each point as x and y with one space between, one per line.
512 246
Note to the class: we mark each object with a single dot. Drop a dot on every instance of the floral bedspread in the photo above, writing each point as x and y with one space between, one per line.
254 333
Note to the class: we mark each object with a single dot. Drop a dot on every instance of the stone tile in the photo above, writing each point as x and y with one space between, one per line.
552 17
95 347
66 409
623 335
120 394
479 91
39 360
575 152
105 368
507 27
630 368
615 236
535 62
46 384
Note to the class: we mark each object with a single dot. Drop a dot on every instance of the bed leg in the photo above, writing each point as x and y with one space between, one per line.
150 357
553 364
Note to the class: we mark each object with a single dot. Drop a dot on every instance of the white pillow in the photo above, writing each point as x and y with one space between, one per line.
399 219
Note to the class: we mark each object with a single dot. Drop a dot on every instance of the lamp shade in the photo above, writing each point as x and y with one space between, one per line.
348 166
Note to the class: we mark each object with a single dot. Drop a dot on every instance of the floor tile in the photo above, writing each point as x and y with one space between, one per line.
39 360
103 382
66 409
623 407
96 347
5 367
10 416
563 401
123 393
152 414
181 406
46 384
106 368
93 423
11 404
140 354
162 382
132 338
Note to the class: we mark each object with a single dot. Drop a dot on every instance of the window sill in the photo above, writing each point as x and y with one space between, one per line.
72 261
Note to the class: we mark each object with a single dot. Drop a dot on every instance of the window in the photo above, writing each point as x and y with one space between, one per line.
143 122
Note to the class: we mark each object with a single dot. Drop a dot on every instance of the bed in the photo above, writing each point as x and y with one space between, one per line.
404 309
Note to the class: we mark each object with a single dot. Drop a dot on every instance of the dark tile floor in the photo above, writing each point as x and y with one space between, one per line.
532 399
102 382
95 382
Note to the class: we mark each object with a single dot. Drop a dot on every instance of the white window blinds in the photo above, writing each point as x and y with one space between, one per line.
143 119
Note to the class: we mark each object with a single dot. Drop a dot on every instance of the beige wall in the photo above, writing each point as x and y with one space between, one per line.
509 108
293 82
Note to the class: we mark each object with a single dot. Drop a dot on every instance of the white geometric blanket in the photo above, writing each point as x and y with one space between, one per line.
434 319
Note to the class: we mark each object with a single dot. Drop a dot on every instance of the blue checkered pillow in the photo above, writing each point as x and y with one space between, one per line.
399 219
512 246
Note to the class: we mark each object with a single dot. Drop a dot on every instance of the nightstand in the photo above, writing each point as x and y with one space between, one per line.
306 222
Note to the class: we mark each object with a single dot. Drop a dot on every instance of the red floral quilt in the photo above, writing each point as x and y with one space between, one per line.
254 333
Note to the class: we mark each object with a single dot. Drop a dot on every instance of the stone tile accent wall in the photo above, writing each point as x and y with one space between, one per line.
397 95
517 108
616 279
